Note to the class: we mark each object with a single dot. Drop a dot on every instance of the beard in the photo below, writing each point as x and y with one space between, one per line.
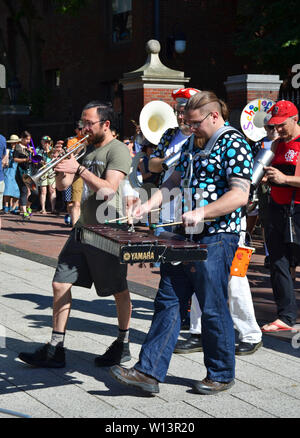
185 129
96 138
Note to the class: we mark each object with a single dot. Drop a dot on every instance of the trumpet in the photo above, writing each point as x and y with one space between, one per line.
32 181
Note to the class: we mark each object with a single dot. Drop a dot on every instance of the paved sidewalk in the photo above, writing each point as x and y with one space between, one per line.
267 382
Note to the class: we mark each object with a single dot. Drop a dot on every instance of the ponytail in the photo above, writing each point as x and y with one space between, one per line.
208 98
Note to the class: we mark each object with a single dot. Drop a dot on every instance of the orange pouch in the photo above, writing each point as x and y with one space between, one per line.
241 261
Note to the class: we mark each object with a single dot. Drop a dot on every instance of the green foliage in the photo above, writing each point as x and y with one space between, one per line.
268 35
71 7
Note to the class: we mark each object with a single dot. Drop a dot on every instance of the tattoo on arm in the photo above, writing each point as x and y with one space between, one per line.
239 183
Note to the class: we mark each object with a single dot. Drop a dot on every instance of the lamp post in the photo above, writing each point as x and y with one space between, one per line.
180 43
176 44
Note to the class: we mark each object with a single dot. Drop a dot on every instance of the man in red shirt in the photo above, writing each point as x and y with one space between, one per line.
283 227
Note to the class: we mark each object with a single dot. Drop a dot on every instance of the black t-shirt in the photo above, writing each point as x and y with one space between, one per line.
21 152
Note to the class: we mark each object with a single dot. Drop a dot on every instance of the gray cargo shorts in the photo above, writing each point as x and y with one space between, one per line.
82 265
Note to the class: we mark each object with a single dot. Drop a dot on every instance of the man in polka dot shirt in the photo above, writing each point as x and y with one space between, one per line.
230 158
222 175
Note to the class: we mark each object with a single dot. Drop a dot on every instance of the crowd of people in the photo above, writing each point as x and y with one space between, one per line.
20 157
219 160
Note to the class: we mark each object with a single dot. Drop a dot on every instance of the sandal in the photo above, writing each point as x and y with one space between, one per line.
279 327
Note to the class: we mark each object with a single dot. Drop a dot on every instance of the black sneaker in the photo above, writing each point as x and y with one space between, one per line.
190 345
247 348
46 356
116 354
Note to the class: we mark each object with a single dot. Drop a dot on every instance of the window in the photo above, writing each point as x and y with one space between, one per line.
121 20
53 79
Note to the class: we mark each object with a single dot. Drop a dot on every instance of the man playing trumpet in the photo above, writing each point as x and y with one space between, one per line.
105 164
224 176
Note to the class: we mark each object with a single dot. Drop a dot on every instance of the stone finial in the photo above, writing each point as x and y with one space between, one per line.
153 46
153 68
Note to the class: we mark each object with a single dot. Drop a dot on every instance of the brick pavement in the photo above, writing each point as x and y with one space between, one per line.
43 237
267 382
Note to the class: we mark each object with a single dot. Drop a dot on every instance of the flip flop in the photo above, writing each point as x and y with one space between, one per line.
279 328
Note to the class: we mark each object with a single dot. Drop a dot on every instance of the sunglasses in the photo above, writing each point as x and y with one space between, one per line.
271 127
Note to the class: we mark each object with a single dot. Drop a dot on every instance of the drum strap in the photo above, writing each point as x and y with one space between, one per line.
213 140
205 153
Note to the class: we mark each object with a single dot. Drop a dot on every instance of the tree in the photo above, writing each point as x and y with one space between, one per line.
268 35
69 6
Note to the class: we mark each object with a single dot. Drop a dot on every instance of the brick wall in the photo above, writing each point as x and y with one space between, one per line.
80 47
133 104
163 94
135 100
242 89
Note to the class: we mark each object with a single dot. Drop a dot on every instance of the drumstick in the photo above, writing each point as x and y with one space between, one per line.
131 217
127 217
115 220
154 226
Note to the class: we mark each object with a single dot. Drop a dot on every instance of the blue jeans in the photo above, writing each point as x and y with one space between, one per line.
209 280
157 232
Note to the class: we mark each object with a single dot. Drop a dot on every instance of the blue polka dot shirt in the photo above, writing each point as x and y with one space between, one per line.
231 156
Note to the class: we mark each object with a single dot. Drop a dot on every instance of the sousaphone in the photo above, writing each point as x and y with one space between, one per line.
252 118
155 118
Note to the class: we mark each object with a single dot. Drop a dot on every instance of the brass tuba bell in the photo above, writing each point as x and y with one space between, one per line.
155 118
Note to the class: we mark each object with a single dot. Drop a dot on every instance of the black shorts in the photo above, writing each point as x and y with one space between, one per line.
82 265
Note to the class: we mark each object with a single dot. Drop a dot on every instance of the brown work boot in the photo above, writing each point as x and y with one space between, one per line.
134 378
207 386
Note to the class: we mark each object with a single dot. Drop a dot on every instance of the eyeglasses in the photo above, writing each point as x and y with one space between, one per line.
127 142
89 124
196 125
178 113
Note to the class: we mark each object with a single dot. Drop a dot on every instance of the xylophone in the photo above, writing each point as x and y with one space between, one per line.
140 246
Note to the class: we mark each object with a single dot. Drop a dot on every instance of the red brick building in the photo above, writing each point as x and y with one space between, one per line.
75 59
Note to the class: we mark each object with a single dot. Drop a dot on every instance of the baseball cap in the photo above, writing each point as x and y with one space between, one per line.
281 111
267 119
182 95
46 138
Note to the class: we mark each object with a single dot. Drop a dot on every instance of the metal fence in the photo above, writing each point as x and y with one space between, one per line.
291 94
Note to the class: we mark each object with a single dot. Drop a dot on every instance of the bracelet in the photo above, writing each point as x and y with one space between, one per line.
80 170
